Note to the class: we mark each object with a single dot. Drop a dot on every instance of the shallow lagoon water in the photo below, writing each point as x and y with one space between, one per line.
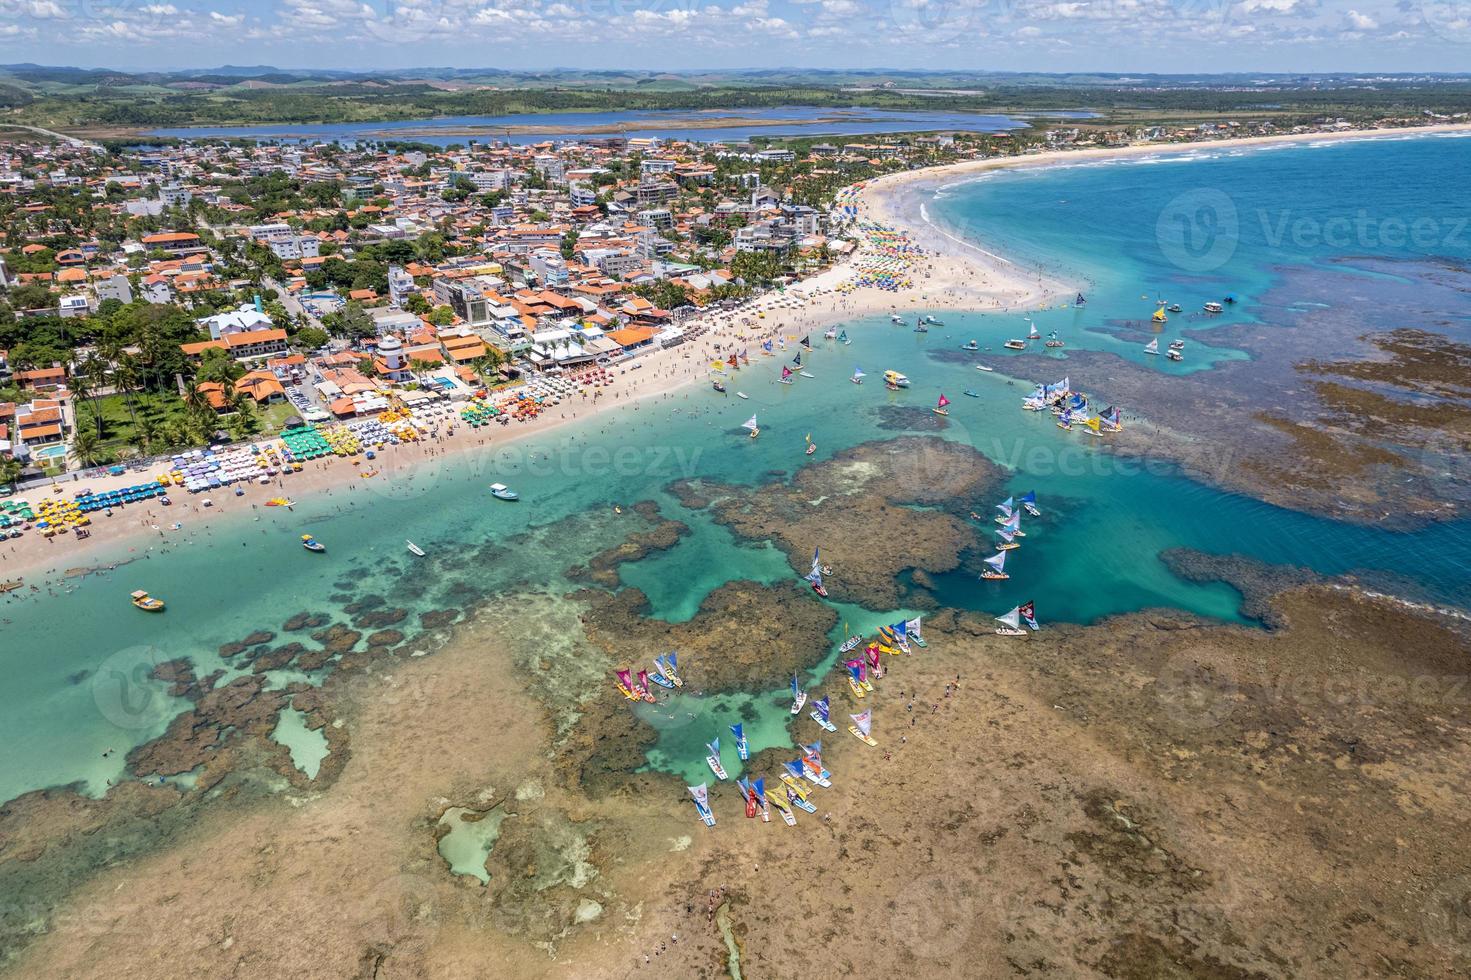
1093 554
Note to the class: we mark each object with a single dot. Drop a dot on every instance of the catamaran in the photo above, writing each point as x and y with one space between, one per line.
1029 502
855 672
821 713
858 376
713 759
743 747
941 408
913 628
786 375
751 426
1008 540
815 576
995 567
1152 347
1011 623
1159 315
701 796
862 725
1014 524
799 696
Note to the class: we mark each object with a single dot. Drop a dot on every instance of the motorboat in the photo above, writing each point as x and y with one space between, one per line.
142 600
312 544
1015 344
895 380
502 492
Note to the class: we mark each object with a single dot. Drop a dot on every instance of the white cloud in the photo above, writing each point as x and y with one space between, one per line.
1360 22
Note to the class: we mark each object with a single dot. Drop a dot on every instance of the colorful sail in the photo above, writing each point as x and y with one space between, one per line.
732 361
813 752
822 707
943 402
758 789
1080 300
714 747
855 667
796 688
1008 536
786 372
736 731
872 653
913 628
858 374
997 561
901 631
672 660
1014 522
745 357
793 768
797 361
863 721
814 576
701 793
1006 506
807 342
1028 611
843 336
643 680
750 423
625 679
1030 497
1012 620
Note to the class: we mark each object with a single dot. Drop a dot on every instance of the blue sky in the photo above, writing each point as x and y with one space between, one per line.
1045 35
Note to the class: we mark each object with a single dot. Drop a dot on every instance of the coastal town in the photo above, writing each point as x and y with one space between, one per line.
200 314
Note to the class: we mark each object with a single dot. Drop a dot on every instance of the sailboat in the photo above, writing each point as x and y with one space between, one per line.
812 766
625 685
671 668
872 653
796 789
913 628
1011 623
643 686
797 361
659 677
1066 420
750 424
743 747
995 569
1006 507
701 796
862 725
786 375
901 635
799 696
1028 612
811 446
815 576
1152 347
921 327
1080 301
1008 540
806 343
1029 502
1159 315
855 672
1014 524
783 806
821 713
664 673
940 408
830 334
1033 333
843 337
713 759
858 376
851 641
757 789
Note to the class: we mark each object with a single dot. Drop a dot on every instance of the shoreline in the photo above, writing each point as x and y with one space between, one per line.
951 274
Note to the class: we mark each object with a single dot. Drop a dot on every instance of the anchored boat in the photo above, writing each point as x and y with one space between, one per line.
701 796
502 492
821 713
142 600
713 759
799 696
862 725
743 747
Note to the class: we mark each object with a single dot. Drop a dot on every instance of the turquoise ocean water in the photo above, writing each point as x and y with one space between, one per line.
75 662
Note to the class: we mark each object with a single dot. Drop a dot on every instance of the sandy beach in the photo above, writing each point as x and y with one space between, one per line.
951 274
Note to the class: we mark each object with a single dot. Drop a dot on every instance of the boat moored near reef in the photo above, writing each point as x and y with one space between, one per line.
895 380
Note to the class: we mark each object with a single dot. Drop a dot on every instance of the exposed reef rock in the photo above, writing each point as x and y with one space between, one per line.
875 510
602 568
239 709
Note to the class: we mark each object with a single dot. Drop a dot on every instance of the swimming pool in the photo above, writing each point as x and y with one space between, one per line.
50 454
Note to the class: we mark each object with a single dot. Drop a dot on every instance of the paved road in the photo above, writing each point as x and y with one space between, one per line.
74 141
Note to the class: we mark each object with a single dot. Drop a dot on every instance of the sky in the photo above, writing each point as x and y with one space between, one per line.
1037 35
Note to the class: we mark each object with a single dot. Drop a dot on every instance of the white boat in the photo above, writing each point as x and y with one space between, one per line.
701 796
995 567
1014 344
415 549
858 376
502 492
743 747
982 367
1011 623
807 374
895 380
934 321
1174 355
1213 308
750 426
820 713
742 394
896 319
713 759
1152 347
799 696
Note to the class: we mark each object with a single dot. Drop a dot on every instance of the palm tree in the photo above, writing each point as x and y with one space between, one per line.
125 379
86 448
145 431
